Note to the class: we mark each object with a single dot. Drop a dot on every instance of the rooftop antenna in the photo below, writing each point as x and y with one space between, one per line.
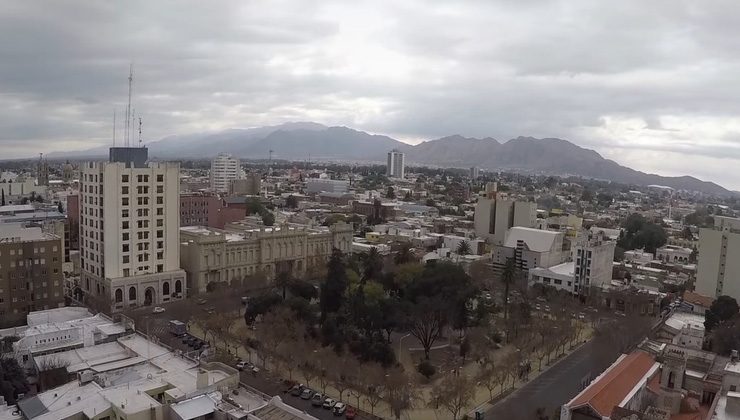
140 132
114 127
129 114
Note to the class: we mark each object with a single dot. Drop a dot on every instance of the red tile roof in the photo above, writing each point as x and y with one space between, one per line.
610 389
697 299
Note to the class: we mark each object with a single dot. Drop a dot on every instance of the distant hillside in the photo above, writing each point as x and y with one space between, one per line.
303 140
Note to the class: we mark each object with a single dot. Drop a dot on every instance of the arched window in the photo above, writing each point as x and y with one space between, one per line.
178 286
166 288
132 293
119 295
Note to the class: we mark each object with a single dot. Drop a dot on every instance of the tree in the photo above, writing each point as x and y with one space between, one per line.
398 392
259 305
282 280
372 264
453 393
374 378
278 326
403 255
426 368
722 309
508 277
291 202
639 233
426 320
332 290
463 248
268 219
390 193
12 380
303 289
489 377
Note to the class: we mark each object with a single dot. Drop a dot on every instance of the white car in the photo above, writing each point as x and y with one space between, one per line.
158 310
329 403
339 408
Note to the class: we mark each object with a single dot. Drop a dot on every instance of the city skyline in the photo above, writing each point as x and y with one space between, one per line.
641 91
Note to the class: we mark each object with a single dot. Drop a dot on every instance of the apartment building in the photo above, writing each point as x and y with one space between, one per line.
396 164
224 169
318 185
251 184
593 255
719 268
213 255
31 275
129 232
207 209
495 214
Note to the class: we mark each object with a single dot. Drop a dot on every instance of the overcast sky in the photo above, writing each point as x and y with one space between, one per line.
651 84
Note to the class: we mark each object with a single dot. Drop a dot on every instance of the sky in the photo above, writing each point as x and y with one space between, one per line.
652 85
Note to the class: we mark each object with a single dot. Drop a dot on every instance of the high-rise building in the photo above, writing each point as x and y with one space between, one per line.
396 164
31 276
251 184
224 169
129 232
593 254
495 215
718 270
474 172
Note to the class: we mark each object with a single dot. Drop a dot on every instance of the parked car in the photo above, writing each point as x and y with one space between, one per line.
306 394
318 399
296 390
350 413
329 403
339 408
241 365
158 310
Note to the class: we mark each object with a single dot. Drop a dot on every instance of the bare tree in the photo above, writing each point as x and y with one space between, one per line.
344 373
400 394
374 380
487 376
453 393
426 321
325 361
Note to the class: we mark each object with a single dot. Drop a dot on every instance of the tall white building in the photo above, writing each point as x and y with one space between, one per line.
495 215
396 164
593 254
129 231
718 271
224 169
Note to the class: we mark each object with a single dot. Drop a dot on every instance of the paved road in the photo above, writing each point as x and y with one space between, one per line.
556 386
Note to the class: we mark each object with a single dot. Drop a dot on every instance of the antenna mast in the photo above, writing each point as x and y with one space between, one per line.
139 131
129 115
114 127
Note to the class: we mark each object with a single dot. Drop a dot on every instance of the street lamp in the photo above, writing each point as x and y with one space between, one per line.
399 344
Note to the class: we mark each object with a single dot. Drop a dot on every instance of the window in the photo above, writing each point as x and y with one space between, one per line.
160 244
160 268
159 234
160 211
124 201
124 190
132 293
124 213
125 236
125 259
125 248
160 200
124 178
126 272
165 285
160 255
160 189
160 222
125 224
160 178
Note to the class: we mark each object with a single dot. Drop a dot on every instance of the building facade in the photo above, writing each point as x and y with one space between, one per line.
593 255
318 185
31 275
495 215
204 209
129 234
251 184
719 268
396 164
217 256
224 169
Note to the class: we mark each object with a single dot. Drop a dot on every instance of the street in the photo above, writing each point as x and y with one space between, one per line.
556 386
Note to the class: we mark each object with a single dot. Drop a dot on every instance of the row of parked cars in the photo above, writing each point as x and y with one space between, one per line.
318 399
194 342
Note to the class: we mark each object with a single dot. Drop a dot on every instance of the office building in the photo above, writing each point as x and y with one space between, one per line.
251 184
474 173
718 271
31 275
232 255
129 232
396 164
224 169
495 215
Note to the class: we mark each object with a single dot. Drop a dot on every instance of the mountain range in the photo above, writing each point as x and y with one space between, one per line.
307 140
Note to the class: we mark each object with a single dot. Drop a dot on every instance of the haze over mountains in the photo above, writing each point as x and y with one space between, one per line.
307 140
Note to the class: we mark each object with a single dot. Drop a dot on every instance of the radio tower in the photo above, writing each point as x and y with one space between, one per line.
127 136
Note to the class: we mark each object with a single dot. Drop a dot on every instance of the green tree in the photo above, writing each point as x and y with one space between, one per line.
463 248
723 309
332 290
372 264
291 202
268 219
403 255
426 369
390 193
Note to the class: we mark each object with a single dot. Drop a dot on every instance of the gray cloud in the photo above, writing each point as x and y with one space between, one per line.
613 76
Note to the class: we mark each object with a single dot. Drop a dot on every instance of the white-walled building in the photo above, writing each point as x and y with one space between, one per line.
495 215
129 231
718 270
673 254
224 169
396 164
593 255
318 185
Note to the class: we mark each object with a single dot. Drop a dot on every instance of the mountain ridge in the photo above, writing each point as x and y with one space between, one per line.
308 140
